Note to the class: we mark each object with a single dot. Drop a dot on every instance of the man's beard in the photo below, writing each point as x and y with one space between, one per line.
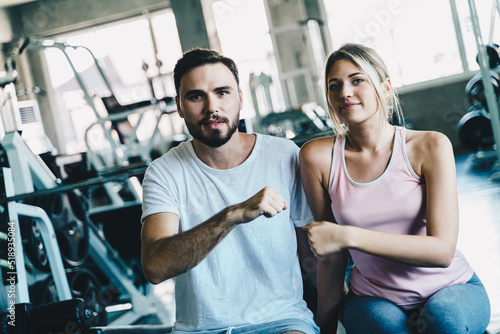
215 138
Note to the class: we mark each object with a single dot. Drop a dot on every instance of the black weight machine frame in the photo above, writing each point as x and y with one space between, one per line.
24 175
32 169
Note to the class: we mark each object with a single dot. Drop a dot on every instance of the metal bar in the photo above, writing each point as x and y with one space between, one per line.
458 32
157 60
70 186
99 68
117 152
30 171
488 86
22 293
492 23
141 304
51 246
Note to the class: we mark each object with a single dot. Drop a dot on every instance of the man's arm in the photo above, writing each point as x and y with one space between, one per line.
166 254
307 258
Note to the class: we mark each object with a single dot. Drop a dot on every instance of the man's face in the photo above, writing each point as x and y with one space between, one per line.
210 101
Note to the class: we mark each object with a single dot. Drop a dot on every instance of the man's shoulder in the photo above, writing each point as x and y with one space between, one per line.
177 155
278 142
179 151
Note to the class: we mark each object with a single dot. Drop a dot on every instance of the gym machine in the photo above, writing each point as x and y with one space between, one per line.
54 260
127 146
479 129
300 124
125 149
475 127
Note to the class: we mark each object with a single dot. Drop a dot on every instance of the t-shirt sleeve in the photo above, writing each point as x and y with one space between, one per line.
157 192
300 214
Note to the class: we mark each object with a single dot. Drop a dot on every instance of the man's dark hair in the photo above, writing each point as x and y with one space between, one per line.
199 57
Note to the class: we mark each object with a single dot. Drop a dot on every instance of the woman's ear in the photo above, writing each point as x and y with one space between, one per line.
386 87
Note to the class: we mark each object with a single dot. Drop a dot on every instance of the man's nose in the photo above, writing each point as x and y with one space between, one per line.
212 105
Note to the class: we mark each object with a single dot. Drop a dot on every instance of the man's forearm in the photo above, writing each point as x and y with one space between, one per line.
172 256
167 257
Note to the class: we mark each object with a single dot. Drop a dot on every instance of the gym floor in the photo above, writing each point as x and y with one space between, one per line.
479 238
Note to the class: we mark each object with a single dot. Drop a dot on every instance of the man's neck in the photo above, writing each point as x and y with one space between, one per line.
231 154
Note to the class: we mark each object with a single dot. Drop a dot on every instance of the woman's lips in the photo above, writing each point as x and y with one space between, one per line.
349 105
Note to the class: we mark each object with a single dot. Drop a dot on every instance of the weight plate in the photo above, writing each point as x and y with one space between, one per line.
85 285
68 212
474 89
474 130
33 244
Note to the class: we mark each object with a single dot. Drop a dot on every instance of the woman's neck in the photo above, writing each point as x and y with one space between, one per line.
370 138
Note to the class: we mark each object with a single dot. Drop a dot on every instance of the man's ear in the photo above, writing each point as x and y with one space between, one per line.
179 111
241 98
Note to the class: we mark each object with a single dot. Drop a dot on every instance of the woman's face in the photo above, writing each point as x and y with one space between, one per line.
350 95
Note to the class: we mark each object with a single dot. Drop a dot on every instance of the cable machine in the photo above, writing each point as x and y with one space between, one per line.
488 86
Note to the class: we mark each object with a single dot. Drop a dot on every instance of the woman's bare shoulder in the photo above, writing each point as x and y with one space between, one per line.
425 149
426 140
317 148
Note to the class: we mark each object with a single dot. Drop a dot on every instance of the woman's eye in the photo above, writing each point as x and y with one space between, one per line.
358 81
334 87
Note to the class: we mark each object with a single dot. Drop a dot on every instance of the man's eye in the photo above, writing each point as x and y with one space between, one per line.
222 93
194 97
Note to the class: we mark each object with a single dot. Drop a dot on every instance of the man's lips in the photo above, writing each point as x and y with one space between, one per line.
213 123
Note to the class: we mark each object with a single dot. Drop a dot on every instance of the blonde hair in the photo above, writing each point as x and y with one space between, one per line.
370 63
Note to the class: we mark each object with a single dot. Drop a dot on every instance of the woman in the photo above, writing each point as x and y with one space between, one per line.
387 195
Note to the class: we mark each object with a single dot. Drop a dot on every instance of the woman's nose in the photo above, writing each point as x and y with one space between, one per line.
346 91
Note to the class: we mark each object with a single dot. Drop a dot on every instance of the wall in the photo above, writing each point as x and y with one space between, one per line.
438 108
49 17
5 33
5 29
191 24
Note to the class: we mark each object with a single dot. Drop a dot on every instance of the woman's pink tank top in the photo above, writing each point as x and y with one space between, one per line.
393 203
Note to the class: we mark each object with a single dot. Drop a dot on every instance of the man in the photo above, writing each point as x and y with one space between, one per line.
219 213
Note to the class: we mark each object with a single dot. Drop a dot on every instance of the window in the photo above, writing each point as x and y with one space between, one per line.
417 39
488 17
251 48
413 37
122 48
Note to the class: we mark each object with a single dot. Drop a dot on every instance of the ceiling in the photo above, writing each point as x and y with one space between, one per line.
8 3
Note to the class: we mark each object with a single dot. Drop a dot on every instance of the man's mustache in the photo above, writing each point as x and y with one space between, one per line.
212 118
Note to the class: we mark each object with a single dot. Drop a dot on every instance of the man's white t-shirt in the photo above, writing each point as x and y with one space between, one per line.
252 276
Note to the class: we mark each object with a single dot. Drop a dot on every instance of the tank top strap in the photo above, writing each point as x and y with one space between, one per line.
403 153
336 159
399 144
398 159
